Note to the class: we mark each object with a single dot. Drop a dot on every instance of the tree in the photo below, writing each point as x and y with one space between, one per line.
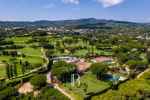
148 56
51 94
49 66
132 64
38 80
99 69
7 92
11 70
8 70
63 70
15 68
22 68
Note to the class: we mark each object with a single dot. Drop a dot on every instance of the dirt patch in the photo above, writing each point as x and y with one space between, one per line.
26 88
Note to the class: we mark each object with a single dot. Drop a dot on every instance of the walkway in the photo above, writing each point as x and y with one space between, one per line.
56 86
147 70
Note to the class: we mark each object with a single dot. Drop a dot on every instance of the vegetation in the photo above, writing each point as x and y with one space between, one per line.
38 81
99 69
88 85
63 70
24 58
140 90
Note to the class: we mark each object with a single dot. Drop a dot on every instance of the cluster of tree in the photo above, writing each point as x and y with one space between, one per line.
129 50
99 69
4 42
51 94
12 46
47 93
25 66
47 45
38 81
39 33
11 70
2 84
20 31
12 53
7 93
63 71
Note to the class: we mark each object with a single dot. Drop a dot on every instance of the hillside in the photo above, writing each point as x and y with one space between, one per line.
76 22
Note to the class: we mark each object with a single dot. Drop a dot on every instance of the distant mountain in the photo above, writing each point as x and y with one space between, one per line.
73 23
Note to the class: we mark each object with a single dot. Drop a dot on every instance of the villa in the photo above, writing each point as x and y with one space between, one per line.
82 65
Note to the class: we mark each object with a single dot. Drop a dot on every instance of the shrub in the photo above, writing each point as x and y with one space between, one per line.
38 81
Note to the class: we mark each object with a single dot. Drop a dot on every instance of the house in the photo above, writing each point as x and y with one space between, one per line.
82 65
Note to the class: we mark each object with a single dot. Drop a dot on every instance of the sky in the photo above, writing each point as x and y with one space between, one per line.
31 10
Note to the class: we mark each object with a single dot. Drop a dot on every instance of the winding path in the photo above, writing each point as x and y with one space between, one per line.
56 86
147 70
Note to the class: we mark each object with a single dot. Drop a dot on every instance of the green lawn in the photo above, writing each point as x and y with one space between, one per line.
34 60
32 55
2 71
130 88
19 40
81 53
5 58
93 86
31 51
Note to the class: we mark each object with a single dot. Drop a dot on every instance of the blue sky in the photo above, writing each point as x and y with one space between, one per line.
30 10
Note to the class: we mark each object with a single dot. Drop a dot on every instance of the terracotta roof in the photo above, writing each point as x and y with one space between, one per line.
82 65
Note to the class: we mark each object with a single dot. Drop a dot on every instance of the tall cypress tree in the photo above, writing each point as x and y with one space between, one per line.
11 70
15 69
23 68
8 70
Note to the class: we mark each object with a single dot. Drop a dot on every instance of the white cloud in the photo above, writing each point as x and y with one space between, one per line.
109 3
71 1
105 3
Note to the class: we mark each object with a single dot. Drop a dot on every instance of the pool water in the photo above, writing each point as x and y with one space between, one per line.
110 77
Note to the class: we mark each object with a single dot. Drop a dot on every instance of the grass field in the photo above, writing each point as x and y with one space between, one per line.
92 86
81 53
85 47
2 70
31 51
130 88
32 55
19 40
